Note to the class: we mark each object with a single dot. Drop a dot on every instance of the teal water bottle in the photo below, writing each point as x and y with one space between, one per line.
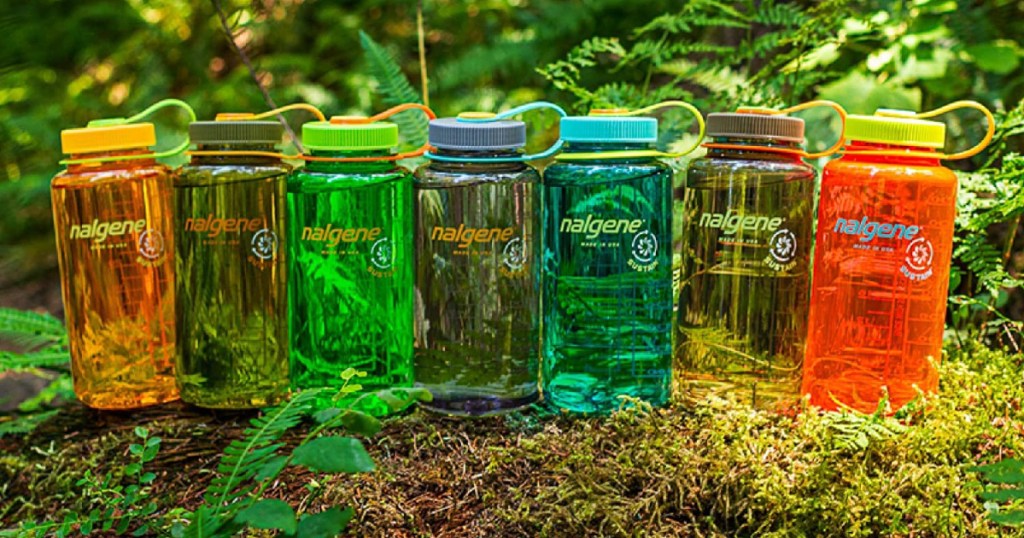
608 264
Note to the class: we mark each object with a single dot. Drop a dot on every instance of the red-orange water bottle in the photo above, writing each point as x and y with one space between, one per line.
881 262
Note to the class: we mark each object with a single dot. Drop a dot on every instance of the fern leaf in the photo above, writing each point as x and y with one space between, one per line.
243 458
54 359
31 330
395 89
25 424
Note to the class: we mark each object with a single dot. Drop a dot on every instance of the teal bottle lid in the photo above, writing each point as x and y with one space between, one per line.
607 128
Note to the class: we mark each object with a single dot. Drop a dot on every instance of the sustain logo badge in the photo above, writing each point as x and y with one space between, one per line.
917 262
264 244
151 247
644 252
782 250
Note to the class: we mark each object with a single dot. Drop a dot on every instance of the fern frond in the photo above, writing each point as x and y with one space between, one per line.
25 424
395 89
54 359
244 457
31 330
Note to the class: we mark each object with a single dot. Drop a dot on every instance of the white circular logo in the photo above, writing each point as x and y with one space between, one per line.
782 246
919 255
514 255
645 246
151 244
264 244
382 255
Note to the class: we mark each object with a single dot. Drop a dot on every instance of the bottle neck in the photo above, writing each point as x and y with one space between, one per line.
235 154
116 162
852 149
378 166
479 160
607 147
754 149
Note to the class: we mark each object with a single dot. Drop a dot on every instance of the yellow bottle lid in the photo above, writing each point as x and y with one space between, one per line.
100 137
896 127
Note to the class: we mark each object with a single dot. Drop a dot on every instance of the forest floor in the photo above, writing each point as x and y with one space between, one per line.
709 469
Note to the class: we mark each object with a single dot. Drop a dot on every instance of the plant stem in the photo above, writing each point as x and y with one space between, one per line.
423 53
252 71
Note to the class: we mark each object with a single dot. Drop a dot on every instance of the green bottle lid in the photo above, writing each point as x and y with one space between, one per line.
348 133
896 127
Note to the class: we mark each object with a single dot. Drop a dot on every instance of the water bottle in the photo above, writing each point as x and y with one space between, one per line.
608 264
748 218
477 242
881 262
113 215
350 260
231 295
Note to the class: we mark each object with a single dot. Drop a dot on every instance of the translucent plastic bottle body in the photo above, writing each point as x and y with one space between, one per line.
881 273
350 274
607 282
477 286
115 247
232 302
743 299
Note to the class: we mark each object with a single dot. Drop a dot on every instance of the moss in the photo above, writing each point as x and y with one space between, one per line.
712 469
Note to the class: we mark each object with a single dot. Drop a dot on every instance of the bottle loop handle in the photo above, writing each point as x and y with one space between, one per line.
373 119
626 154
485 118
148 111
249 116
990 132
840 111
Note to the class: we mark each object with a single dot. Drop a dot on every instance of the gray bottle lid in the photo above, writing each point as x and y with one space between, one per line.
755 126
450 133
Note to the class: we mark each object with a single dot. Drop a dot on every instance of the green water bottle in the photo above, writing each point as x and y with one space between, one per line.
350 261
608 264
231 304
748 216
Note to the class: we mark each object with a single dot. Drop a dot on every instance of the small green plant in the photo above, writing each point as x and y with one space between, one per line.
853 431
35 343
235 499
1004 491
120 501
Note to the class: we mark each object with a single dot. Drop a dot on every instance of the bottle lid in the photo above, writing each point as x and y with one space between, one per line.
100 136
755 125
450 133
346 133
896 127
227 131
605 126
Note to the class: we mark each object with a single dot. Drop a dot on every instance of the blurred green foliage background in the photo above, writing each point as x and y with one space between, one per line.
65 62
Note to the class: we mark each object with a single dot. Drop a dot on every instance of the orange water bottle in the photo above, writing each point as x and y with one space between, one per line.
881 262
112 211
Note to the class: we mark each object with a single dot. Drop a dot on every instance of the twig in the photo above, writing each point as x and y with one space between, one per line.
228 33
423 53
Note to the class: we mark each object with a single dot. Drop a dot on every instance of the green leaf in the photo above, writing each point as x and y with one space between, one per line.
272 468
399 399
1003 495
1007 471
334 455
361 423
395 89
995 57
328 523
1012 518
269 514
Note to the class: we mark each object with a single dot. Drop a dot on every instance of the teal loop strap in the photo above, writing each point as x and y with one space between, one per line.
536 105
152 109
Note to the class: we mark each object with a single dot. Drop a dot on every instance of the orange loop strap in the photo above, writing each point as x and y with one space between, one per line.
791 151
373 119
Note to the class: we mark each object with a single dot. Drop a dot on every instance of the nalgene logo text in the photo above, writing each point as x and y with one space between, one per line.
333 236
466 236
868 230
100 231
730 222
594 227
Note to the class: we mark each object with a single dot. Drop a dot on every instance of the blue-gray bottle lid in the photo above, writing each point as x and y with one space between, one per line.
452 134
